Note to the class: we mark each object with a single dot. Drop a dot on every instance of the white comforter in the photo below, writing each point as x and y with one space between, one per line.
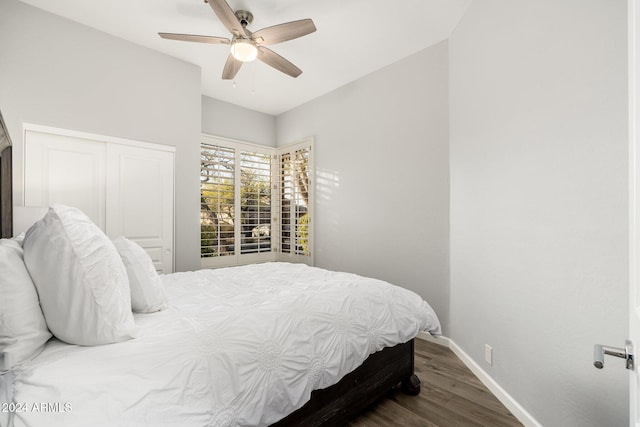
237 346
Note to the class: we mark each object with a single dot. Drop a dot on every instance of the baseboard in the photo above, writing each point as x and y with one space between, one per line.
441 340
501 394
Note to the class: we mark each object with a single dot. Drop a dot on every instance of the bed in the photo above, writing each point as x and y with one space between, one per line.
266 344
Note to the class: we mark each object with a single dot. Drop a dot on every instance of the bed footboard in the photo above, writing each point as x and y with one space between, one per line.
341 402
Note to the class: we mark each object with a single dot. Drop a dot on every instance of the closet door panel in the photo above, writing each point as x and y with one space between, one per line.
140 200
65 170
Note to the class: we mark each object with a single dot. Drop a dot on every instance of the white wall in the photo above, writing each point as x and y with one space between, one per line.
59 73
220 118
538 154
382 174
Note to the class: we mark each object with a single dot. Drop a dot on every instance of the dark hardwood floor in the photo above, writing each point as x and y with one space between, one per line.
451 396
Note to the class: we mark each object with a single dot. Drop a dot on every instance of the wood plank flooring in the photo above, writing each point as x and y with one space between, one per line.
450 396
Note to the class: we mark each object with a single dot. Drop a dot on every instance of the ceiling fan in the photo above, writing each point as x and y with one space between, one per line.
246 45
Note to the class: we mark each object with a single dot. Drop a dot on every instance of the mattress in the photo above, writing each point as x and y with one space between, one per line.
237 346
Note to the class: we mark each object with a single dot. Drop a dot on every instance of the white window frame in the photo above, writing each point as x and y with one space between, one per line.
275 254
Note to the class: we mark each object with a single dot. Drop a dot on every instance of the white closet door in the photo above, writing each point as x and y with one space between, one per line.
66 170
140 200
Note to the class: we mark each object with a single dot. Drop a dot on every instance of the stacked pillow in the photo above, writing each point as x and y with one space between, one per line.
23 331
80 278
147 294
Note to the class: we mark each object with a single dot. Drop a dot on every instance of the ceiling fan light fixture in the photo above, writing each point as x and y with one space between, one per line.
244 50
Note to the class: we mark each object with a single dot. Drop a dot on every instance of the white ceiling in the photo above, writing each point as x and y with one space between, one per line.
354 38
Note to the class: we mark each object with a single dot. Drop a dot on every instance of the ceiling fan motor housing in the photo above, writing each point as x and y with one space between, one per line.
245 17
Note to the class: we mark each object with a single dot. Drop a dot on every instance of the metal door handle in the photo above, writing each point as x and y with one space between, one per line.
599 351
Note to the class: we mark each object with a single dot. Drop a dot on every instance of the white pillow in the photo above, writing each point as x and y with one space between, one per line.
19 239
82 283
23 331
147 294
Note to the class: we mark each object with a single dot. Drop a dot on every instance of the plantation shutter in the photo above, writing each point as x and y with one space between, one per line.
217 201
296 197
255 204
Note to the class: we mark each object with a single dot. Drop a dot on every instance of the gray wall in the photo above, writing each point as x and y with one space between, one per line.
382 183
220 118
58 73
539 211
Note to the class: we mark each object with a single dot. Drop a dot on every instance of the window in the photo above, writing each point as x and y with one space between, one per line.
255 203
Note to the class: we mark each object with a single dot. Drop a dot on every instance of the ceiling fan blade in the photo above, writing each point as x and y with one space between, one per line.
231 68
271 58
195 38
227 16
283 32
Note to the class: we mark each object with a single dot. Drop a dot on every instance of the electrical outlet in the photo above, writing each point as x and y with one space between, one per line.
488 354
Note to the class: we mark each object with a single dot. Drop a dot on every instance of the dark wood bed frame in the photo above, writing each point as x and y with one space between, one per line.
336 405
332 406
6 194
6 182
